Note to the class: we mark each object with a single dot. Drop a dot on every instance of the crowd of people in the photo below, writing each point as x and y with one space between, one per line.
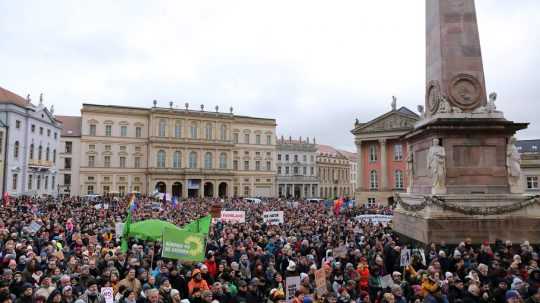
67 251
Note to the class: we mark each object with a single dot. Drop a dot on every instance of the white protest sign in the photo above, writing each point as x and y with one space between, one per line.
292 283
405 259
273 217
119 230
234 216
107 293
35 227
375 219
387 282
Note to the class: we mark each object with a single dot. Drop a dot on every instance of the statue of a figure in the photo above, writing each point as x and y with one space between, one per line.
410 169
444 106
513 163
490 107
437 167
421 110
394 102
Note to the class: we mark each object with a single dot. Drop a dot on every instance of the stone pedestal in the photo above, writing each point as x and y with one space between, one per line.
453 218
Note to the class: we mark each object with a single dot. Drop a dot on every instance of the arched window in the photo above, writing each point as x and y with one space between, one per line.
16 149
208 131
31 154
178 129
398 177
373 184
208 160
161 159
192 159
223 161
223 132
177 162
372 153
162 127
40 151
193 130
47 151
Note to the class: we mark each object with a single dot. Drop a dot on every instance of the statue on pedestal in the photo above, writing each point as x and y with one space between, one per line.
437 167
513 164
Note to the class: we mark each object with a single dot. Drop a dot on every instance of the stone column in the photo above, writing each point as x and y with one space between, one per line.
201 190
216 189
185 189
384 177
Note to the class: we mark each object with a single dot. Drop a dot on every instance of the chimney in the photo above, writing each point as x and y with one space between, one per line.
170 104
186 105
28 100
155 103
217 109
202 107
41 99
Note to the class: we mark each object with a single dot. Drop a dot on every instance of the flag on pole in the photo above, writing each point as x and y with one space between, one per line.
132 205
5 197
174 202
201 225
125 234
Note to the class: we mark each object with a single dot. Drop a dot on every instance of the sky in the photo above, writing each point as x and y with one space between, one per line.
312 65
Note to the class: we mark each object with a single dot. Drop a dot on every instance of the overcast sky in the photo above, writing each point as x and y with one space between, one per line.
313 65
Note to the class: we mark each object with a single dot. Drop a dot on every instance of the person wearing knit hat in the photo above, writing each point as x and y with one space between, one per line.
512 296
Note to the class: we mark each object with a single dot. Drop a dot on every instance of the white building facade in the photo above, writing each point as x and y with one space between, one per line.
296 168
33 138
69 153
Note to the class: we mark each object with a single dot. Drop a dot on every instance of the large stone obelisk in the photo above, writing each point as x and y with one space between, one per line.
464 168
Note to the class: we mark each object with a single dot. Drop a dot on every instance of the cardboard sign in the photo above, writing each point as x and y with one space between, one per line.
292 283
405 259
320 282
273 217
108 294
233 216
340 252
375 219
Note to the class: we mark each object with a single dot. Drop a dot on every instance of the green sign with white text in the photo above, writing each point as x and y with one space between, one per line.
183 245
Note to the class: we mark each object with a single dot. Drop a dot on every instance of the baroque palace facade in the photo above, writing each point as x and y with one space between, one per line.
182 152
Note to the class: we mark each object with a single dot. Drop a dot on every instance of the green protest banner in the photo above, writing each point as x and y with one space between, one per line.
182 245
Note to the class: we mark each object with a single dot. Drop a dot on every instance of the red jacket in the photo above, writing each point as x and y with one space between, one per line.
212 268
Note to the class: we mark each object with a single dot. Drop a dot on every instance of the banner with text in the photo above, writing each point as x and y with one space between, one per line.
182 245
292 283
273 217
233 216
320 282
375 219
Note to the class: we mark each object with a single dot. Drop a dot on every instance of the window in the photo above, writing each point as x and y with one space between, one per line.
257 154
311 171
246 138
90 178
67 179
40 152
532 182
55 135
31 153
54 156
258 139
122 148
41 130
17 125
304 170
257 165
279 157
161 159
286 170
122 162
91 161
46 184
67 163
223 132
92 129
178 129
287 158
38 182
398 152
68 147
193 130
121 189
138 132
235 164
106 188
30 181
107 147
246 165
137 148
107 161
312 158
279 170
92 147
16 149
398 176
268 165
192 159
136 189
246 191
373 179
53 182
48 135
137 162
268 154
235 138
108 130
90 189
14 182
162 126
295 158
177 159
47 153
372 153
269 139
123 131
223 161
208 131
295 170
371 202
304 158
208 160
33 128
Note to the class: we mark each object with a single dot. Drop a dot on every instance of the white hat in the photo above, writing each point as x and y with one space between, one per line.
303 276
292 266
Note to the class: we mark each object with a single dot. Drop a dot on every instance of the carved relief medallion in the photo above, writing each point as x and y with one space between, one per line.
432 96
465 91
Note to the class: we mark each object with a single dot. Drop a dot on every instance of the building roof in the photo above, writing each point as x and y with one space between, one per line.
402 111
528 146
7 96
349 155
71 125
328 150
